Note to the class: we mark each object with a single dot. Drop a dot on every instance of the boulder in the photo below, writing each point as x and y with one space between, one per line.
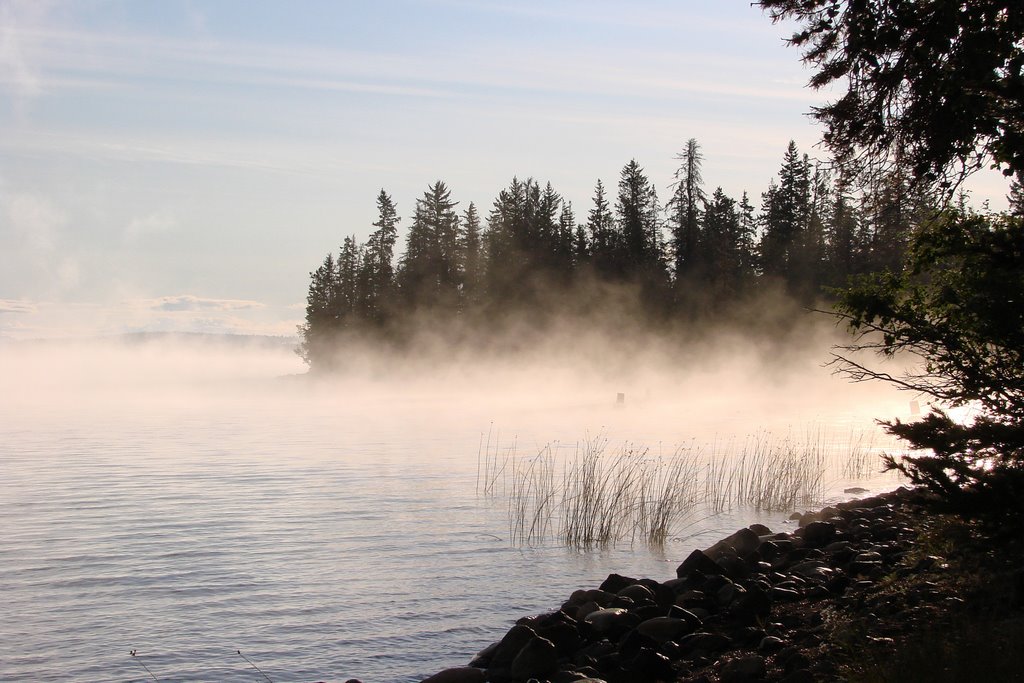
537 658
818 534
697 561
460 674
662 629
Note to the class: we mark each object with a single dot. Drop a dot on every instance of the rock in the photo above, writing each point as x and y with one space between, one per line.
461 674
770 645
483 658
813 569
563 634
510 645
818 534
677 612
663 594
697 561
662 629
733 566
855 490
537 658
742 543
586 608
649 665
637 593
760 529
708 643
616 582
610 621
755 605
784 594
743 669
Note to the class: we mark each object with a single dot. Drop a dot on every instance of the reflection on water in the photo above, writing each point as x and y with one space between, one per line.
151 501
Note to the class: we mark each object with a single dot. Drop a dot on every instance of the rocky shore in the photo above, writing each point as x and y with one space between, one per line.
878 589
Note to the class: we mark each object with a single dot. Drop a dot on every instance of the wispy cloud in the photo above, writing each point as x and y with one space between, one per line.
27 319
189 302
16 306
18 64
76 57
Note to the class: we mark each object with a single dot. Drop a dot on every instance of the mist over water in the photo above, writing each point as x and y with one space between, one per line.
188 497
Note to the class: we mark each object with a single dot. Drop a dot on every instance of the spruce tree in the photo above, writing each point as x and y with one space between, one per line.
431 268
319 327
601 227
378 277
638 226
472 256
786 207
842 250
684 210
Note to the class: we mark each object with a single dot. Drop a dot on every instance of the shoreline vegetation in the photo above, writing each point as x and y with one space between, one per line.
593 495
883 588
632 259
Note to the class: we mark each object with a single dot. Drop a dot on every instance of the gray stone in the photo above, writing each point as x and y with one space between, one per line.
460 674
607 620
537 658
637 593
770 644
818 534
662 629
697 561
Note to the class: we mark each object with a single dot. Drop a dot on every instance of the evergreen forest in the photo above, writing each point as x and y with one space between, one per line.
682 258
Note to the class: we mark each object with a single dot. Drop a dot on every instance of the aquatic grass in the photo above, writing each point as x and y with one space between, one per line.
767 475
589 495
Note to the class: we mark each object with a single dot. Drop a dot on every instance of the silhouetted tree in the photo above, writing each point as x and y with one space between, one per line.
684 210
723 258
785 211
843 251
318 330
378 276
604 243
472 256
934 87
430 271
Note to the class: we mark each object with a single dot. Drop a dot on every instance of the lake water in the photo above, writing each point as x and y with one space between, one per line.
190 503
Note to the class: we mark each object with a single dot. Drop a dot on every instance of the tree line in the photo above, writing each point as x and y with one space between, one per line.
685 257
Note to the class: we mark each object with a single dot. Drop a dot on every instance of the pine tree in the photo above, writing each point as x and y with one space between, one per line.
842 250
786 207
892 210
684 210
431 268
348 299
566 240
638 226
378 260
472 256
722 262
319 327
601 227
746 239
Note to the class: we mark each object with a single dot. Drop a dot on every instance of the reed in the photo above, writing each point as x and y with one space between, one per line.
590 496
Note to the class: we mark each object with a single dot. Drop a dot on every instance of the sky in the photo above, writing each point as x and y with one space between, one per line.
183 165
